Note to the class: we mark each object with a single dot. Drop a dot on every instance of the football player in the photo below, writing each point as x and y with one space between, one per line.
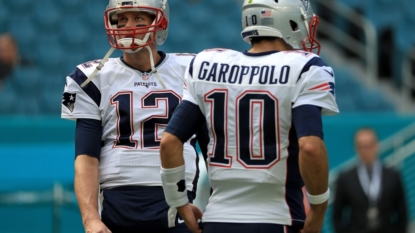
121 107
264 112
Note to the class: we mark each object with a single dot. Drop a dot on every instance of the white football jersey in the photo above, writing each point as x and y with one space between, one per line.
134 110
247 100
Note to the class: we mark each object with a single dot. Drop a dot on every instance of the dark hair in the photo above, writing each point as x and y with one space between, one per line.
257 40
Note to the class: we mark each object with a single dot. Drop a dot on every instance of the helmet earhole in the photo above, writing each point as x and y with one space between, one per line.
294 25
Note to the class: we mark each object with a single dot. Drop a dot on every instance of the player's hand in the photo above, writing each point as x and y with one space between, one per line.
96 226
190 214
315 219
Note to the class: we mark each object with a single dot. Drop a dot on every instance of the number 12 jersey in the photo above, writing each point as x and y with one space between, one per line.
134 110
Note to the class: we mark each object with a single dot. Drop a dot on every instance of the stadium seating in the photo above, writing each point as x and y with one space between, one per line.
351 96
72 6
50 53
357 4
408 178
408 7
74 33
8 96
372 101
47 16
94 15
3 19
51 99
21 6
404 37
177 38
98 47
24 30
27 80
59 35
384 14
345 83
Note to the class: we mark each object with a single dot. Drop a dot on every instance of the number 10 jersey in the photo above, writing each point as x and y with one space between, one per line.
247 100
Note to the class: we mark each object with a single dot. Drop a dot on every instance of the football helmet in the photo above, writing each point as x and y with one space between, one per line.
154 33
291 20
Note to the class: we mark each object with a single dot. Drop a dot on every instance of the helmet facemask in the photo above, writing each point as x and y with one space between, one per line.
126 38
310 43
156 33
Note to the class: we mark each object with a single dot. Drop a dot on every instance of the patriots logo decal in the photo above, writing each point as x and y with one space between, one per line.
327 86
305 3
68 100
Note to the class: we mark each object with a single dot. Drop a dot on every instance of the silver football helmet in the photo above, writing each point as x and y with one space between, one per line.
291 20
155 33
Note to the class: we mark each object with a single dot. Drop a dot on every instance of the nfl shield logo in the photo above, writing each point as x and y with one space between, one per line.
145 76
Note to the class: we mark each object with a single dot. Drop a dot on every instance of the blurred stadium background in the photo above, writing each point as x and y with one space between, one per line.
370 45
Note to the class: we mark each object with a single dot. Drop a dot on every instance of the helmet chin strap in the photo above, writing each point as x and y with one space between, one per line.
305 20
101 64
126 42
153 67
99 67
129 41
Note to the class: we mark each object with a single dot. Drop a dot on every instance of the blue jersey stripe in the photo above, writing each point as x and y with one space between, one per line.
191 67
90 89
315 61
294 182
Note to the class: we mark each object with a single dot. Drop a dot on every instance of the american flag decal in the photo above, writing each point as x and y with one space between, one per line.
266 13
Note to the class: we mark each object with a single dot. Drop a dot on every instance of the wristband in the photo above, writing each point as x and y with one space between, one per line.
174 186
318 199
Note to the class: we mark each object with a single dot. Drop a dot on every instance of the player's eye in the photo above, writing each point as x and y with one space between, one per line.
122 22
122 19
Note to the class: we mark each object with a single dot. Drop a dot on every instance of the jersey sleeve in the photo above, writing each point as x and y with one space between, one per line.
316 86
80 102
188 90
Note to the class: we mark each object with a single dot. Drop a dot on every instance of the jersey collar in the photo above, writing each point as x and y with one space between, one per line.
162 59
259 54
